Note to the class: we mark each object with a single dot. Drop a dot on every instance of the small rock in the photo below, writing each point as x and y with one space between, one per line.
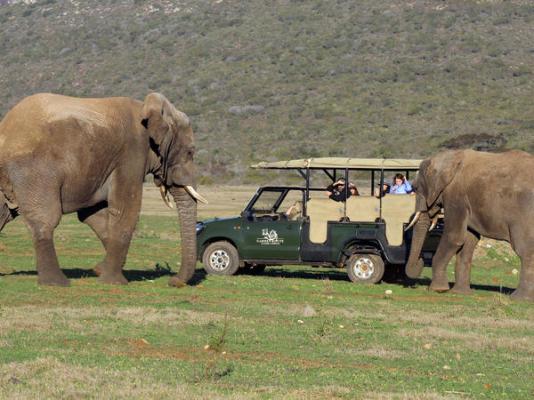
427 346
207 347
388 292
299 321
65 50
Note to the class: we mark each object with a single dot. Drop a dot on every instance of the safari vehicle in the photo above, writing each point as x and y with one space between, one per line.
366 234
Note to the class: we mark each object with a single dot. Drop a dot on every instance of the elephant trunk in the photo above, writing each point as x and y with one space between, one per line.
415 263
187 212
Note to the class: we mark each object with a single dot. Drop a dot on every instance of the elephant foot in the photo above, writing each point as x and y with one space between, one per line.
55 279
523 295
465 290
439 286
113 279
98 269
176 282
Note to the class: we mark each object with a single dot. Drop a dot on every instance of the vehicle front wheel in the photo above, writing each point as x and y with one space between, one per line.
220 258
365 268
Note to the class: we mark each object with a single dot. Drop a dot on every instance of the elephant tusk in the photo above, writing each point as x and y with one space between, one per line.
414 220
194 194
165 196
434 223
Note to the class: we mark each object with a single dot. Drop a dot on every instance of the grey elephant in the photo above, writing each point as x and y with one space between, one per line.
61 154
482 194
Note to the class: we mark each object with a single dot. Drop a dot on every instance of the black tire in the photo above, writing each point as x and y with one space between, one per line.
220 258
365 268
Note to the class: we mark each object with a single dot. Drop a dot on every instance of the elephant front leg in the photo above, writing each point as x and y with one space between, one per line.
97 219
124 204
464 259
525 289
452 239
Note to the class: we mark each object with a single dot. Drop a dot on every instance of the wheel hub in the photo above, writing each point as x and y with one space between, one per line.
363 268
219 260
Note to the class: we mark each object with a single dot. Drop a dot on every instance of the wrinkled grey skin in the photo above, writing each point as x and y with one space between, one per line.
62 154
482 194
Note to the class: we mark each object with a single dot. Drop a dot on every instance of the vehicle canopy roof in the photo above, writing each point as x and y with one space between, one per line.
343 163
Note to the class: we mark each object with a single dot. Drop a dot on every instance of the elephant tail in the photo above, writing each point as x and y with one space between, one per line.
7 214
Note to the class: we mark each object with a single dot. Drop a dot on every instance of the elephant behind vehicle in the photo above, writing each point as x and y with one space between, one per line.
481 194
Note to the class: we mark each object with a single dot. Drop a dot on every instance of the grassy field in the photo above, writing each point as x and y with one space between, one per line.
294 332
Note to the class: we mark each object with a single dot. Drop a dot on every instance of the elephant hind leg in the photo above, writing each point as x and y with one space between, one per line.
42 223
464 258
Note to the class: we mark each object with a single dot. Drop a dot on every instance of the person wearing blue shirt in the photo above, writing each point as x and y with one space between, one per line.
401 185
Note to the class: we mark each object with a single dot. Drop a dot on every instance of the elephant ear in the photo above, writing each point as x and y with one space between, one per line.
438 172
160 118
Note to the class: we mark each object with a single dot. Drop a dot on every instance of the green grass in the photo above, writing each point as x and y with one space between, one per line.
147 340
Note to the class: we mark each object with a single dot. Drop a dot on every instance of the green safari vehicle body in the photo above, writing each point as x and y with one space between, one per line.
365 234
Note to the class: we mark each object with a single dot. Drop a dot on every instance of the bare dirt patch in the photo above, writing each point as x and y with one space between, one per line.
224 201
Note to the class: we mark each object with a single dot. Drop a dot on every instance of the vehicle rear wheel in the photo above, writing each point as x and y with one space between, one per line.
220 258
365 268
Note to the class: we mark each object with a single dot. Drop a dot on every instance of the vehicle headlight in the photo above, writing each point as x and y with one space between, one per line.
200 227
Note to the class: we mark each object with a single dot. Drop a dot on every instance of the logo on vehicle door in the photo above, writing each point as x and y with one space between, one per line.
270 238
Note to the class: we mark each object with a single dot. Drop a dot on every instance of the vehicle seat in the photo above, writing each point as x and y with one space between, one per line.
363 208
320 211
396 211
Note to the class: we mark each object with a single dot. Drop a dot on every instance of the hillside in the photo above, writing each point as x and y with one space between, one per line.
265 80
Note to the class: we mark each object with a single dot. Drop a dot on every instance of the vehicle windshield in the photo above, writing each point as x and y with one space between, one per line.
266 202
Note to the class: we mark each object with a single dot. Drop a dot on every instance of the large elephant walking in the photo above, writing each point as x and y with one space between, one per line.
62 154
482 194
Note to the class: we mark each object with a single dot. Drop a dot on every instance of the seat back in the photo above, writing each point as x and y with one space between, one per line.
320 211
363 208
396 211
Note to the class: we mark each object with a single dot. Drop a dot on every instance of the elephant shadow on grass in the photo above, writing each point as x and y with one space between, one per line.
412 283
132 275
340 275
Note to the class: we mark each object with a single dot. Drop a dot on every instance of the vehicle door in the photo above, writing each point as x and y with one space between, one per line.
268 233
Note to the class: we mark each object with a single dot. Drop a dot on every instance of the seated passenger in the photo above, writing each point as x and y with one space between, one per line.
353 189
337 191
295 211
385 189
401 185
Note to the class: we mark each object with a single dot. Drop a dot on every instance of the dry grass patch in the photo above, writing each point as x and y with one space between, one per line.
378 352
462 340
415 396
465 322
52 379
41 319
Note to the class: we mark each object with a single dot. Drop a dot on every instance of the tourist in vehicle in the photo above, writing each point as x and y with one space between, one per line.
400 185
353 189
337 191
294 211
385 189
